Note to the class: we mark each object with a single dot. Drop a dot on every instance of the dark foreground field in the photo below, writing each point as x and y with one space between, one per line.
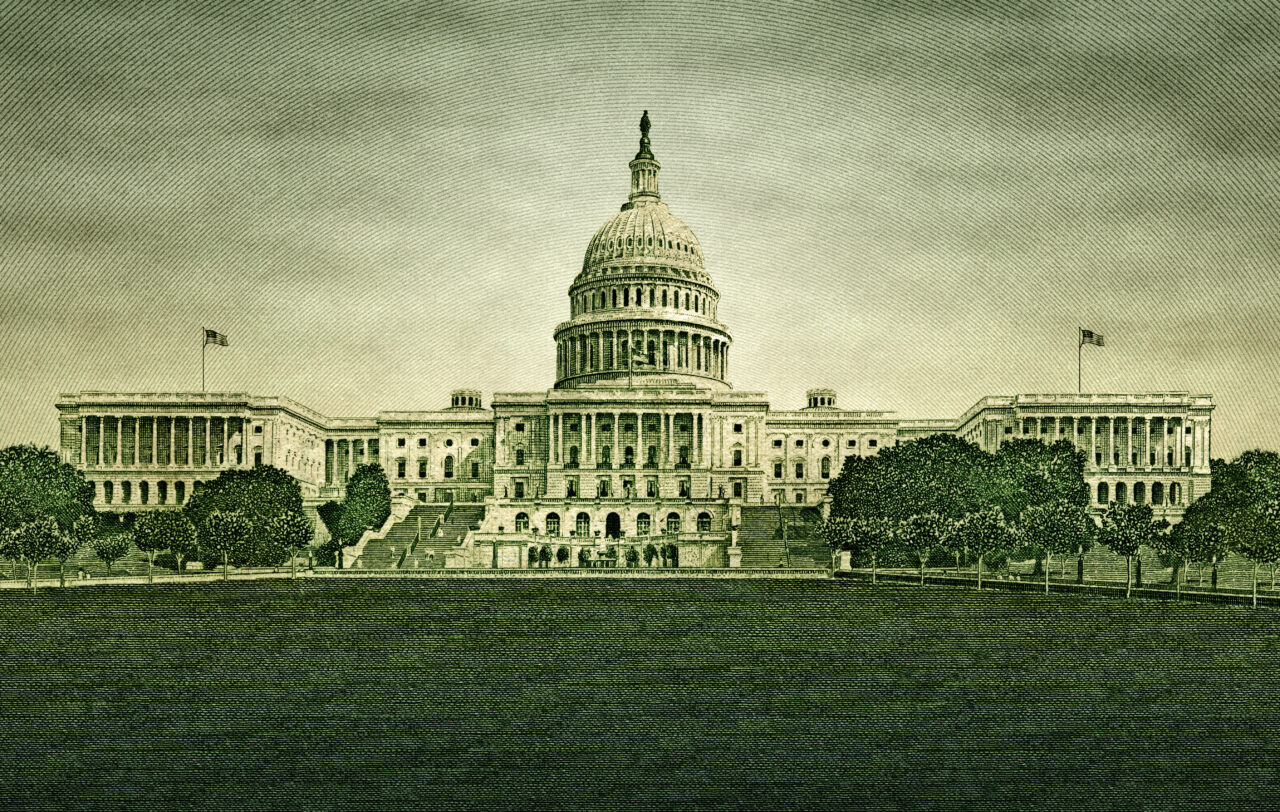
538 693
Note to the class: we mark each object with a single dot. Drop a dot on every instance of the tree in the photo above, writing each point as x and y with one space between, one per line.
111 547
1176 550
584 557
633 557
36 485
258 495
1125 528
83 531
983 533
368 503
562 554
226 532
544 556
1056 527
924 532
862 538
293 532
533 557
650 553
1029 472
164 530
36 541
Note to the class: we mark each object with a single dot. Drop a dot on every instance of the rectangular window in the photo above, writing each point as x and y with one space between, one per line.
399 442
851 443
737 428
777 444
871 443
422 469
737 489
684 488
519 486
400 464
257 429
519 426
799 443
257 457
422 442
1008 429
777 470
799 470
475 470
737 457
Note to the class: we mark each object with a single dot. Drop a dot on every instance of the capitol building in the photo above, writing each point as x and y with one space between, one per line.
642 436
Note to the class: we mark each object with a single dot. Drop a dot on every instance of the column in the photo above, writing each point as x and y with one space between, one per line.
1093 441
173 437
591 438
226 452
640 453
191 441
1180 439
617 449
208 429
101 445
582 439
726 361
84 440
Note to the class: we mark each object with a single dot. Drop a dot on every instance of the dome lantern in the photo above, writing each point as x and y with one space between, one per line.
644 168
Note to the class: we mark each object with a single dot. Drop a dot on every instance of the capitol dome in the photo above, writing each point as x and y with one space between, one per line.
643 307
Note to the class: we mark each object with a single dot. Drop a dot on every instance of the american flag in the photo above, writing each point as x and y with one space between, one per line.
214 337
1090 337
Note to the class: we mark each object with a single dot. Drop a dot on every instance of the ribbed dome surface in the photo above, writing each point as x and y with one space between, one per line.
645 232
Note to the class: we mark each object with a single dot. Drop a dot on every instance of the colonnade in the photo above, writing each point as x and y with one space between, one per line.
660 348
644 296
161 440
341 456
1146 441
624 439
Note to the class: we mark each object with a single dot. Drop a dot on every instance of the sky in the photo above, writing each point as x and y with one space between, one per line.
915 204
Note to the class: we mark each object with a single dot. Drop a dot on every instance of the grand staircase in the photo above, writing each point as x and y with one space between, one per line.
422 539
762 545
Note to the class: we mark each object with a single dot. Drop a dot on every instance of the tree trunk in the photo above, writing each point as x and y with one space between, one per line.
873 568
151 562
293 564
1080 568
979 570
224 565
1255 585
1177 581
1137 571
1273 578
179 563
62 574
1213 575
1128 576
1199 574
1063 570
923 559
31 576
1046 572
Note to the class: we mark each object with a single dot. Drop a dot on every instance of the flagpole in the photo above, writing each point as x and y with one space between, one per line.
1079 355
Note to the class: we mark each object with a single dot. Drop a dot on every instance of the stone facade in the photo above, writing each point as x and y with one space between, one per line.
642 435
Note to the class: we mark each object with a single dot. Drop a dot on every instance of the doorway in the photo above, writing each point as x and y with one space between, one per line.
612 526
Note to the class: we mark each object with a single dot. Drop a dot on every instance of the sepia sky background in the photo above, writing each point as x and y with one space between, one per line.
913 204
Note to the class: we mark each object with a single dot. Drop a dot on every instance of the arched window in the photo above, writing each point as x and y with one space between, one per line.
108 492
179 492
704 522
642 524
626 297
664 297
1175 493
686 300
1103 496
162 493
1139 493
826 467
448 467
673 523
639 297
628 456
144 491
553 524
583 525
1120 494
615 297
126 491
650 297
1157 493
519 456
522 522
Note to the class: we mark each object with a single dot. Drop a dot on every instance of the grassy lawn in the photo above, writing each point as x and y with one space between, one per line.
537 693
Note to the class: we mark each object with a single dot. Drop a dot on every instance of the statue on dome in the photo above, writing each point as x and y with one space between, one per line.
644 123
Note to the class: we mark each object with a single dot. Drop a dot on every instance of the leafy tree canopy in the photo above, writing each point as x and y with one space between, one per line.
35 484
1059 527
1028 472
368 503
257 495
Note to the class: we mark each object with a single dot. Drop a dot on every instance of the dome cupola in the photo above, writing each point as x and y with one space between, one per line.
643 296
